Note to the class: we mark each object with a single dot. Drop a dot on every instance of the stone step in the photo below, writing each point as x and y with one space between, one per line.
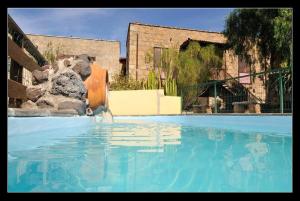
20 112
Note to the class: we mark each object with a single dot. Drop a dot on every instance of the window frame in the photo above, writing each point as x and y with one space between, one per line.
160 48
240 59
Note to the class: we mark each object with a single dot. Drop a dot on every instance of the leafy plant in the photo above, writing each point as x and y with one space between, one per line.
152 82
52 52
171 87
268 30
195 64
125 83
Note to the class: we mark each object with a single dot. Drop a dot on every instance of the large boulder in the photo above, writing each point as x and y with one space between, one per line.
83 57
45 102
75 104
83 69
39 76
68 84
29 105
34 94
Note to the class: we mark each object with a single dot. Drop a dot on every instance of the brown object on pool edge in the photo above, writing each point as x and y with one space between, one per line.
96 85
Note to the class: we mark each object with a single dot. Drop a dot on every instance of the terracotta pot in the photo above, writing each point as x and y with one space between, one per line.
96 85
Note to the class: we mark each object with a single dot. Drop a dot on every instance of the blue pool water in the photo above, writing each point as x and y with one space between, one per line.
142 154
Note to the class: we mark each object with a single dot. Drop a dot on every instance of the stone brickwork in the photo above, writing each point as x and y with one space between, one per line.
142 38
106 53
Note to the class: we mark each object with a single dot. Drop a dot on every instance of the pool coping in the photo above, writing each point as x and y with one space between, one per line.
47 112
214 114
71 114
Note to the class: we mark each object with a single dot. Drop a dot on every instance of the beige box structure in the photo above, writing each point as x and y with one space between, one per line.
143 102
170 105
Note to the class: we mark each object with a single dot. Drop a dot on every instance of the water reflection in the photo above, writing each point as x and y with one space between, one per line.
258 148
145 156
253 160
151 138
256 163
122 161
215 134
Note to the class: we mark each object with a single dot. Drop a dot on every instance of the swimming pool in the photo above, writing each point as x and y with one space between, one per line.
154 153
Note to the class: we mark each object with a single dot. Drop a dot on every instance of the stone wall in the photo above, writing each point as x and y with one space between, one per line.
142 38
106 53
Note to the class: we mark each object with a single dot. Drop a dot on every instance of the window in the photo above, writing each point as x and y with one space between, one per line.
157 57
243 69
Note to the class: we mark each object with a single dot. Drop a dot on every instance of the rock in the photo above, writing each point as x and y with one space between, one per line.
75 104
89 112
45 103
83 69
29 105
39 76
34 94
45 67
55 67
67 63
83 57
68 84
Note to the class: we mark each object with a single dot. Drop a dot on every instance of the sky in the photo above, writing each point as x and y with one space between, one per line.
112 24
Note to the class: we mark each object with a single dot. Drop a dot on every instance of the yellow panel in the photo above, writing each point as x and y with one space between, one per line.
170 105
143 102
133 102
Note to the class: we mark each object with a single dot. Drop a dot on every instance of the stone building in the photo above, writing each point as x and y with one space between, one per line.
144 38
105 52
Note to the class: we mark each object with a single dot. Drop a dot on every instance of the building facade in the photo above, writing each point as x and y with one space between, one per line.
105 52
144 38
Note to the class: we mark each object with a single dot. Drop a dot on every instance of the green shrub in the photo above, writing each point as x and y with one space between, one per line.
52 52
171 87
124 83
152 82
